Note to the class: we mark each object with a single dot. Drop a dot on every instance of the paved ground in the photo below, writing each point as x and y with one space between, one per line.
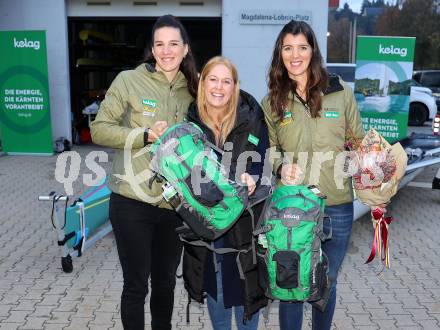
36 294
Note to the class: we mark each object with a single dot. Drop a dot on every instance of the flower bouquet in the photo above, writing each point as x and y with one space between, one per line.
377 168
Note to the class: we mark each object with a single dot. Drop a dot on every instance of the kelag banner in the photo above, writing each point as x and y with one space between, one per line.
384 67
24 93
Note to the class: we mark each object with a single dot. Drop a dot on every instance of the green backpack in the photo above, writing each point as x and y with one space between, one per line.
196 185
290 231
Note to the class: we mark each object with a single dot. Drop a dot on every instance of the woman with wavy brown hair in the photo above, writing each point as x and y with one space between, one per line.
310 114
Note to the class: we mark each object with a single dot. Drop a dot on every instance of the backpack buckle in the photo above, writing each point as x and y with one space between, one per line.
317 192
170 194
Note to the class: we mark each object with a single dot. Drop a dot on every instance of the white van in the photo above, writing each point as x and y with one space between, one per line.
422 106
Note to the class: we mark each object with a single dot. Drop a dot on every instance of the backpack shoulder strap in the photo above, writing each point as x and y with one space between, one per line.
210 247
213 146
261 228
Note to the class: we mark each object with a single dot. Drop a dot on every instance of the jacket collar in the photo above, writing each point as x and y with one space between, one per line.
193 116
149 69
334 85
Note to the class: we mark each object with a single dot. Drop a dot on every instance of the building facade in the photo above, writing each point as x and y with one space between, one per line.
90 41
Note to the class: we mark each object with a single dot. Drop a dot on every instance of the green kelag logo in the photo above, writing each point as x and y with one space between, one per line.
149 103
26 44
391 50
149 107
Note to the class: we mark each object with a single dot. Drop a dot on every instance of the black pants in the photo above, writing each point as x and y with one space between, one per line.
147 244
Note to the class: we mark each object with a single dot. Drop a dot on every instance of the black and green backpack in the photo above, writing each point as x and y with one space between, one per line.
290 231
196 185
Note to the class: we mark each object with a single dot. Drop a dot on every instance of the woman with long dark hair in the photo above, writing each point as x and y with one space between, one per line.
138 107
310 114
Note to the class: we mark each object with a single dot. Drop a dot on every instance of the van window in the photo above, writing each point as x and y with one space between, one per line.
345 72
431 79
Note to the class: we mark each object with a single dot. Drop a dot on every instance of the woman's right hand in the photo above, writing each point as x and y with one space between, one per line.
291 174
247 179
157 130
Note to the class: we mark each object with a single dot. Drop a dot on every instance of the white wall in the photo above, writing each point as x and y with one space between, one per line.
120 8
250 46
48 15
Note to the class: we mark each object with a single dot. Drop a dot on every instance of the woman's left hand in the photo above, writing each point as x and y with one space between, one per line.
249 182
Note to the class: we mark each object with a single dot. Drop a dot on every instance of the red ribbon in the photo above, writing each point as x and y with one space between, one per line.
380 242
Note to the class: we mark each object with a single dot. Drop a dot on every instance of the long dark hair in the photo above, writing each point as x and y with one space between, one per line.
188 65
279 82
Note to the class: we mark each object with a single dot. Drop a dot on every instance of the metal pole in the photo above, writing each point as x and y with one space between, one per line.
350 38
59 220
422 163
353 43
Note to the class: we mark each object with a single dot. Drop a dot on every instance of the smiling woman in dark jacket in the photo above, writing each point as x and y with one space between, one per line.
233 121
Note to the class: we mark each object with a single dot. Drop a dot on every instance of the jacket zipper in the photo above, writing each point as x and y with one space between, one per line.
171 95
236 128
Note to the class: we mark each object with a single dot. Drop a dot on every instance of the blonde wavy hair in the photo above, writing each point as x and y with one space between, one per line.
228 121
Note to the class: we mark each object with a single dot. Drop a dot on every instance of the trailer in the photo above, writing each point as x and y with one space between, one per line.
82 223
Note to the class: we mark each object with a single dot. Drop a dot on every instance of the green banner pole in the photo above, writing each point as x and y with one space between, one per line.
24 93
384 67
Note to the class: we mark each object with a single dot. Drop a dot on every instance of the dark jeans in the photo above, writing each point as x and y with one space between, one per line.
291 314
147 244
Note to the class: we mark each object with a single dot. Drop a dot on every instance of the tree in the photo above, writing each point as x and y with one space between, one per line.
338 41
364 5
417 18
372 4
344 12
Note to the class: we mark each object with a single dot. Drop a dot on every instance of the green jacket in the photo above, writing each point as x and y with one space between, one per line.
315 141
136 100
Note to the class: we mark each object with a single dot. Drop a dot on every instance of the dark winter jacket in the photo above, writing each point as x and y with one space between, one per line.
198 266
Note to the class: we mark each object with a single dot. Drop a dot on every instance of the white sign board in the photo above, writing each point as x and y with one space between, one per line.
274 17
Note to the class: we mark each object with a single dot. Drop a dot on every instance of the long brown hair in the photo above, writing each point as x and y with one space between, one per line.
279 82
188 65
228 120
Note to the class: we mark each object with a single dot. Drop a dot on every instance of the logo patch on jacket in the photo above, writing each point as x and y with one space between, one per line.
287 119
331 114
253 139
149 107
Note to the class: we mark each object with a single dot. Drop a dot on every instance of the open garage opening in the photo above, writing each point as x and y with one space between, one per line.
100 48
